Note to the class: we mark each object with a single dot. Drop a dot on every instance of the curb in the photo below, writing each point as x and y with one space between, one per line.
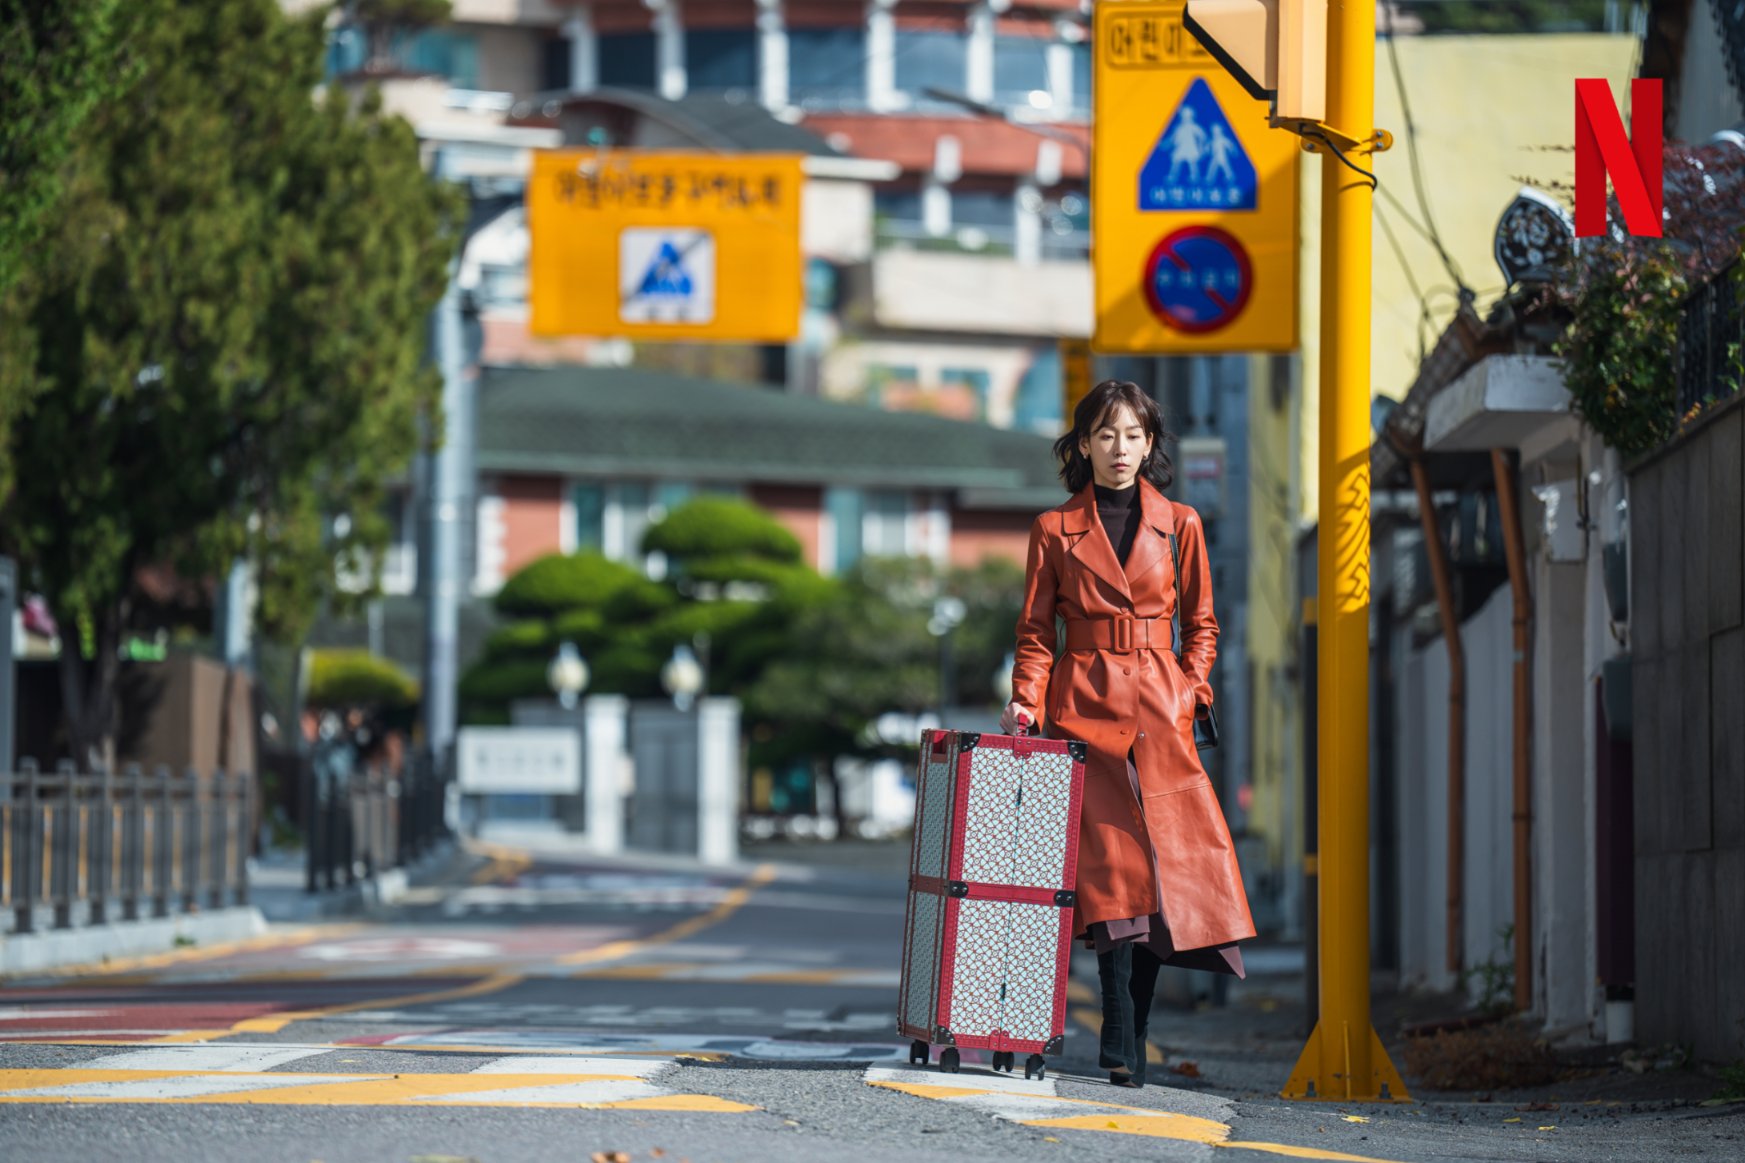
24 953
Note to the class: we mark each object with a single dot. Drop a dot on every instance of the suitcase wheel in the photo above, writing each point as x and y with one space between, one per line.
919 1052
1036 1066
1003 1060
948 1060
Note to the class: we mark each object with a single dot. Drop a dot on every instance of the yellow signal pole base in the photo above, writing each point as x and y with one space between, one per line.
1326 1071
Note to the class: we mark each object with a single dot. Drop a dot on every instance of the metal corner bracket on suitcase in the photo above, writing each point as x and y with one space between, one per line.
988 932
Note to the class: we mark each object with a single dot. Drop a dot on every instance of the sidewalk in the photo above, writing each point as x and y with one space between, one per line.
277 884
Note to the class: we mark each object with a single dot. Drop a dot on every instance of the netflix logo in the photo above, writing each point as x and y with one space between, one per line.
1633 161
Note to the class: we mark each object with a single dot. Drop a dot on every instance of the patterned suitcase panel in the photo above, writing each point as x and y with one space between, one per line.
922 964
935 787
1008 973
1020 802
1036 947
978 967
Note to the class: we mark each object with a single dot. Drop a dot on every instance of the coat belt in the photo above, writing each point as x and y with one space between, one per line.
1123 635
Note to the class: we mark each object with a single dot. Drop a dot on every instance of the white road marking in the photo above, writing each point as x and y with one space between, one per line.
574 1065
239 1059
595 1090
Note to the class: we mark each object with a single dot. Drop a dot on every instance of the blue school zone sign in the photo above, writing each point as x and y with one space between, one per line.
666 275
1198 162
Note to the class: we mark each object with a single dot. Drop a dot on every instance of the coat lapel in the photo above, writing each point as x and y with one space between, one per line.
1150 542
1090 545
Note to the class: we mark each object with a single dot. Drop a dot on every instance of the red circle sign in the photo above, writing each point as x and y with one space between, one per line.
1198 279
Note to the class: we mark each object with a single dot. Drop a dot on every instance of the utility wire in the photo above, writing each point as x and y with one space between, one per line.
1431 233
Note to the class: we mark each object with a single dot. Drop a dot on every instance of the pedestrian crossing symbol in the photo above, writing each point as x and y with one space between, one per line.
666 276
1198 162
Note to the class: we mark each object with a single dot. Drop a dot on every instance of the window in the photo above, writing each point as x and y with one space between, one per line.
1020 66
886 527
881 376
721 59
847 510
827 64
627 60
1081 78
927 58
978 382
346 49
632 504
447 53
1039 401
590 504
989 209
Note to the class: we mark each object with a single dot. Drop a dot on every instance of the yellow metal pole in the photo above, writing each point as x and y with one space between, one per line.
1344 1060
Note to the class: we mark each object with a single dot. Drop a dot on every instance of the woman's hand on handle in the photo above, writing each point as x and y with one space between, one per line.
1015 717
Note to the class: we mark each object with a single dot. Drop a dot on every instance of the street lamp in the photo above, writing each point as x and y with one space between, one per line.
567 675
682 676
948 614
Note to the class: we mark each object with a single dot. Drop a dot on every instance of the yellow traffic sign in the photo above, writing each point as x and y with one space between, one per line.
1194 196
665 245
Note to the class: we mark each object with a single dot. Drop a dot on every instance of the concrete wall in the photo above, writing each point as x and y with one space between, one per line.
1687 622
1421 813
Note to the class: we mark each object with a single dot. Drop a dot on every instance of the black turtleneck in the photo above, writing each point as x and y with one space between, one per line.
1119 510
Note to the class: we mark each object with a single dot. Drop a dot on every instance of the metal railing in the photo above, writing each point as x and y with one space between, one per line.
1711 337
80 848
362 821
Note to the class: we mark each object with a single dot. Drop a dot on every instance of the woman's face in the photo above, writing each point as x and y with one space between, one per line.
1116 448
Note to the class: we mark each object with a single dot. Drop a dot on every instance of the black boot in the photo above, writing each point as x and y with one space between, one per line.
1142 989
1115 1053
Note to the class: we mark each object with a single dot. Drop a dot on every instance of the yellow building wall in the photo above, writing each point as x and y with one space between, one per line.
1492 113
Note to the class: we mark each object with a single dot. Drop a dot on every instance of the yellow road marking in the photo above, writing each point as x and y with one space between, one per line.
1152 1124
504 862
358 1090
730 904
1303 1152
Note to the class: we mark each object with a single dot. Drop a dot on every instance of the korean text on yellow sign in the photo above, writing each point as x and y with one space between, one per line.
665 246
1194 196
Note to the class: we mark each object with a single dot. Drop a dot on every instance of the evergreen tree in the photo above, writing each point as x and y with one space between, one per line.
221 344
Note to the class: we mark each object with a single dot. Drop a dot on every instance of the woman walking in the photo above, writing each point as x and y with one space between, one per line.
1158 882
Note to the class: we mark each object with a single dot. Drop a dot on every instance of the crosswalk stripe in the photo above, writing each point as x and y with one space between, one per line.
234 1059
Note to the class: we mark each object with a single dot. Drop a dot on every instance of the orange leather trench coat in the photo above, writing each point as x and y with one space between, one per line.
1120 689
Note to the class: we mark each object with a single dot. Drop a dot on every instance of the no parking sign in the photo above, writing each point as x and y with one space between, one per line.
1194 196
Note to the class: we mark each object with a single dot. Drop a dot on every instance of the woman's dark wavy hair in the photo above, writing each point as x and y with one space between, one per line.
1093 410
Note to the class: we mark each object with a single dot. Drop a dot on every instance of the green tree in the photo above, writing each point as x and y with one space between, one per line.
58 61
224 342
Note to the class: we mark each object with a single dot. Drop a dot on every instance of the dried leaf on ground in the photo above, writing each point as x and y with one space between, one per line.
1186 1069
609 1157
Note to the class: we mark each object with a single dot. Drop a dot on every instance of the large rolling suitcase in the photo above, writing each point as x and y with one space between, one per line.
989 928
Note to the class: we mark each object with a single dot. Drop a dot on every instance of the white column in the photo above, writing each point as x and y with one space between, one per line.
1027 223
978 79
584 50
718 780
669 48
881 55
772 53
1060 66
936 189
604 757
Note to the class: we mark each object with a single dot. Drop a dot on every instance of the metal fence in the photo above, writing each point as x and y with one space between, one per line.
82 848
1711 336
361 821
